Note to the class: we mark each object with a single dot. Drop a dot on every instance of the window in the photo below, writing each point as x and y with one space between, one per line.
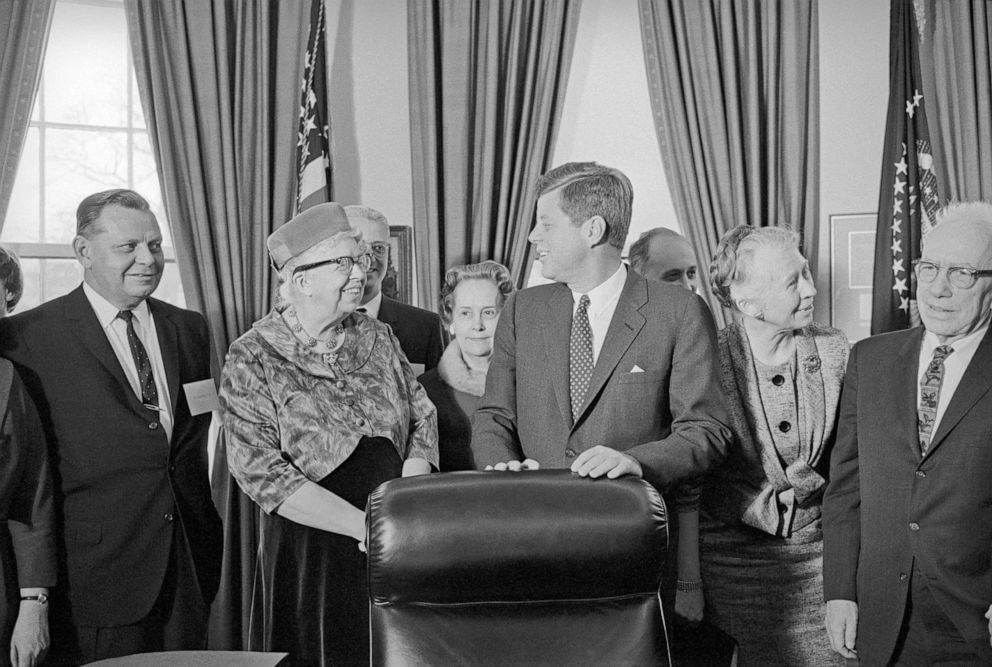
87 134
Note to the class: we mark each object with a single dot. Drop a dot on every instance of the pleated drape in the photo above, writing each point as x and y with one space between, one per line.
24 28
734 94
487 83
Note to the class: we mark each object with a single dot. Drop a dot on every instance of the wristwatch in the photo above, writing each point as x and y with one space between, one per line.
41 598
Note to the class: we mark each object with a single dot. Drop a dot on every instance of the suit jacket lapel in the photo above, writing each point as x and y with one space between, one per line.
168 343
386 314
93 337
974 384
906 405
557 331
627 322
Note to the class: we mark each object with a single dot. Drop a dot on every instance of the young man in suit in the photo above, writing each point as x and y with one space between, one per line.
418 330
114 374
601 371
907 516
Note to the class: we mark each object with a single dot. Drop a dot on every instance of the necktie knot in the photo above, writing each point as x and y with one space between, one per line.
126 315
583 304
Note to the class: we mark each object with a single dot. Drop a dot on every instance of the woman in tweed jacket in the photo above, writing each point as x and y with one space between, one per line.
760 536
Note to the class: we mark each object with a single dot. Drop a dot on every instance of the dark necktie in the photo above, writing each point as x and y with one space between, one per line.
149 393
930 395
580 356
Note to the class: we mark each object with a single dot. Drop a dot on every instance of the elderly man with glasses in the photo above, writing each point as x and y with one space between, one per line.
907 516
418 330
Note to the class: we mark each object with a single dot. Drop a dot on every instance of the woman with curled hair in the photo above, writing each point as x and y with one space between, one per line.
760 535
320 407
472 297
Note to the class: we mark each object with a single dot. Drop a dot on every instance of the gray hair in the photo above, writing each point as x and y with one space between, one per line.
357 212
964 211
733 261
489 270
90 208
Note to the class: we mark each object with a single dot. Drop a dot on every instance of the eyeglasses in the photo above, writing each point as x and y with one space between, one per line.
379 249
959 276
344 264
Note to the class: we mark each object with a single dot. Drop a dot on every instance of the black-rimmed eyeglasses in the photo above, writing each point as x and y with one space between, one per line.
344 264
959 276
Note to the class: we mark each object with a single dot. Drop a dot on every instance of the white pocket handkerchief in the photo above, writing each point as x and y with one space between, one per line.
636 369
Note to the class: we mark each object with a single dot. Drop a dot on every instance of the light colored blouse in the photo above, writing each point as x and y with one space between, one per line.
292 415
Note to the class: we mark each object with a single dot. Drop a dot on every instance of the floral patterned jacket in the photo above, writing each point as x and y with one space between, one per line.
293 415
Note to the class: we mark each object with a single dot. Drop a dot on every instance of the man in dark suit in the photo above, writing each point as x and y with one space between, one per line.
665 255
602 371
907 515
116 377
418 330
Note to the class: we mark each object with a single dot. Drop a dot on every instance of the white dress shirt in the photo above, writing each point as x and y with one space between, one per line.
954 366
372 307
144 325
603 300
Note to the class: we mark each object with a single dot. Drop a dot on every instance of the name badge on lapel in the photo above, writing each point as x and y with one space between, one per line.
201 396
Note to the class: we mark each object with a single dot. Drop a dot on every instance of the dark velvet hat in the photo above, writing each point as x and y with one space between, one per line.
305 230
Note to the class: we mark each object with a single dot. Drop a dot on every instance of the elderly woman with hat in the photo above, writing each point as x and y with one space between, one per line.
320 407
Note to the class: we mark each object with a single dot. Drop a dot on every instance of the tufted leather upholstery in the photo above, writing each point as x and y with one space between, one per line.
531 568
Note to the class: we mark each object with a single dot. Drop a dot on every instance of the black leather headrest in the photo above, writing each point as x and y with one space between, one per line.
532 535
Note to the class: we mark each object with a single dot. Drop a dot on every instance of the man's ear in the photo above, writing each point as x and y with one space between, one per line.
83 250
596 230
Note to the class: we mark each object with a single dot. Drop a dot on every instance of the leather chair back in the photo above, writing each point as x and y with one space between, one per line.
531 568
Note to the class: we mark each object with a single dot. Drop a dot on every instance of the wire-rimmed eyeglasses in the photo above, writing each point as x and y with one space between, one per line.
344 264
959 276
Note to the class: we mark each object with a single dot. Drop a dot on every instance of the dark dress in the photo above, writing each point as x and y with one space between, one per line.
320 576
454 422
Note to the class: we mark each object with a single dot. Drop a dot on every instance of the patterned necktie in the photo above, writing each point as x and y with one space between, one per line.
149 393
580 356
930 394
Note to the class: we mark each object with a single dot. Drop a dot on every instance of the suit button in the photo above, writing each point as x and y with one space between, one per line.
340 384
914 526
350 402
570 453
921 474
172 467
903 576
784 427
168 517
778 380
360 423
153 425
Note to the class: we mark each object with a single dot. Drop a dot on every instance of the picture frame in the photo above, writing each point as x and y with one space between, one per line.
398 282
852 263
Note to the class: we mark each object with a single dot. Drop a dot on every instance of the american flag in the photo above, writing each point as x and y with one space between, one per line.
908 201
313 143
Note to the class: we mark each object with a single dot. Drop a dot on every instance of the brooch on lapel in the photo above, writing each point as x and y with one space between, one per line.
811 363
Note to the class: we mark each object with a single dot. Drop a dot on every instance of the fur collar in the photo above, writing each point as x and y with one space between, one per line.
456 373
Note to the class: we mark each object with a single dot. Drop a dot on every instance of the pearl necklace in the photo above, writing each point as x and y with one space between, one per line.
330 352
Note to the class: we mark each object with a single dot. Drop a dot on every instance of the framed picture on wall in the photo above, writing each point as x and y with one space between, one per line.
398 283
852 264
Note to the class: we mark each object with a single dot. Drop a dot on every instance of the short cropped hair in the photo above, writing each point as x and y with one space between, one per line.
495 272
91 207
965 211
11 276
589 189
357 212
640 250
732 263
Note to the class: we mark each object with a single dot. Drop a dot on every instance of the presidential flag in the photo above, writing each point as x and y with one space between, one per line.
313 145
908 201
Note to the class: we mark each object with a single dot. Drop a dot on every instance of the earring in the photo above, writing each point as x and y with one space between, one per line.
760 317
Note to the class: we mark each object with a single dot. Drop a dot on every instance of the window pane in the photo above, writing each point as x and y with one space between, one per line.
31 269
146 182
77 164
137 115
21 223
85 74
171 288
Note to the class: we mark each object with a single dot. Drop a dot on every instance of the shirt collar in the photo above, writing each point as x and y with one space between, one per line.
106 312
372 307
969 342
604 293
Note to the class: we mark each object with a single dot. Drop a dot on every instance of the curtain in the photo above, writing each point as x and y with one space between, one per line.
22 52
219 82
487 83
734 94
959 32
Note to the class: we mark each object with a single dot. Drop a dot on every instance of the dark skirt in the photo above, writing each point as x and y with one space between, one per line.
311 594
